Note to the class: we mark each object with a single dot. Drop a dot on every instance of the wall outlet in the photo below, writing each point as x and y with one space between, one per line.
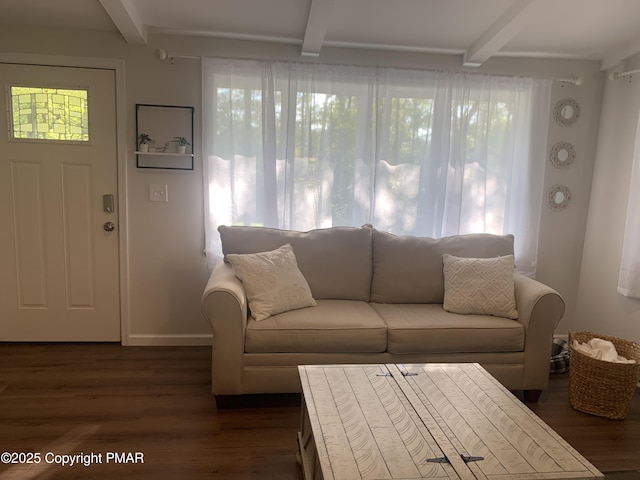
158 193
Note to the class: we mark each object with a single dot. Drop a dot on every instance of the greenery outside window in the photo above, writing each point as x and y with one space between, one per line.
412 152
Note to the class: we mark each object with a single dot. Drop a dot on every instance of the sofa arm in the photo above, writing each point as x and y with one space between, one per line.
224 305
540 309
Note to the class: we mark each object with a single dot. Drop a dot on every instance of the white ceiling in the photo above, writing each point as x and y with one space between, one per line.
604 30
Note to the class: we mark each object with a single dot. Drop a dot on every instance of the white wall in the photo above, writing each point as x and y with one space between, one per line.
599 307
167 270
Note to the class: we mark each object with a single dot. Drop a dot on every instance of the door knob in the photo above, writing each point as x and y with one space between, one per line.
109 227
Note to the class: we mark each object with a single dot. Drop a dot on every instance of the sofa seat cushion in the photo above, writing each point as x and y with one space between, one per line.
333 326
427 328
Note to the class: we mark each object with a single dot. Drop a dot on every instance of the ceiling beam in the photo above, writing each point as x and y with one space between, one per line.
126 18
317 24
499 34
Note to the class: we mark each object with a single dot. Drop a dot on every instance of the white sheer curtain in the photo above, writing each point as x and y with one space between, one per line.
300 146
629 278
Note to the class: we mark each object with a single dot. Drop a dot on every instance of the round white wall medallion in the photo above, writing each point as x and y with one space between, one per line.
566 112
558 197
562 155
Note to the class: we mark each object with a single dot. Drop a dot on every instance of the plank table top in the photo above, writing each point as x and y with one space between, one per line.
418 421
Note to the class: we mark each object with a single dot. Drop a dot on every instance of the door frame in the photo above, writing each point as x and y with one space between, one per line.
118 67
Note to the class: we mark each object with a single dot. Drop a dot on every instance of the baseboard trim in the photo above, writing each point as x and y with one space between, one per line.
168 340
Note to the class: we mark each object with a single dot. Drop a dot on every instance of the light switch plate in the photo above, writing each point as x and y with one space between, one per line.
158 193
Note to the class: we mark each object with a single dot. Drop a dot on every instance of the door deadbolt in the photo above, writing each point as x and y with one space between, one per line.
109 227
108 203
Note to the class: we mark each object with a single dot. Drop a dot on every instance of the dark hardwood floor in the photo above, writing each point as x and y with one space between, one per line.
71 399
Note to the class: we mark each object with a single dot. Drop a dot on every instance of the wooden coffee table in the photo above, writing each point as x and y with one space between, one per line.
444 421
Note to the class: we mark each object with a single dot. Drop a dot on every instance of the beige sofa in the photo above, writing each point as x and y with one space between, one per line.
379 300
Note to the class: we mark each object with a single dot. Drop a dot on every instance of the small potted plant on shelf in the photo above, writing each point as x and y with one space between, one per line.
143 142
182 144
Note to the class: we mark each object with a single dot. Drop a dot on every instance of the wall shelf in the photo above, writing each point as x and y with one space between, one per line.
164 123
165 154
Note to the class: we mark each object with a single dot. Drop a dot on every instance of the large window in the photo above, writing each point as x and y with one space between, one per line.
411 152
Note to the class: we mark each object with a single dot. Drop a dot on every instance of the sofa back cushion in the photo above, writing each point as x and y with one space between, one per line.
336 262
409 269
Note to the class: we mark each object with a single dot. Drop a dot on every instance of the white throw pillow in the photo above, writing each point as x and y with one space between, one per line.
479 286
273 281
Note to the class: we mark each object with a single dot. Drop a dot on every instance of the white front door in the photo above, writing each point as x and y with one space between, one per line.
59 276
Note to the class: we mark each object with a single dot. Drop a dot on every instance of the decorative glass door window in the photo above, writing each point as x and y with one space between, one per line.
50 114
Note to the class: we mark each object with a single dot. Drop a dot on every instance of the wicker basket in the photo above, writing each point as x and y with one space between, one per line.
603 388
